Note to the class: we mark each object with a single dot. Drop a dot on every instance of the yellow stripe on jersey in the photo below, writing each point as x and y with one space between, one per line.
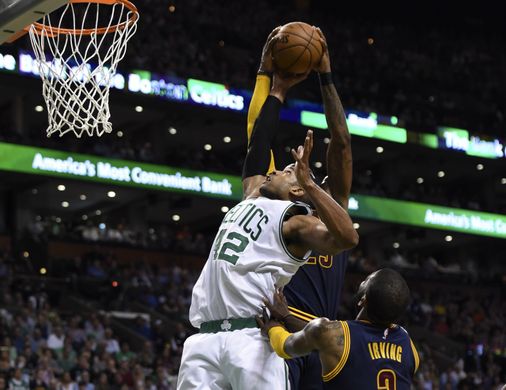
260 93
415 355
301 314
344 357
301 317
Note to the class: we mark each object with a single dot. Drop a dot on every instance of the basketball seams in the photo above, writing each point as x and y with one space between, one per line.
310 41
310 54
303 27
310 63
296 59
305 42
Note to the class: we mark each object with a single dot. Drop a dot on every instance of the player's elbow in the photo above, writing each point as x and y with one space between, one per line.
351 239
347 240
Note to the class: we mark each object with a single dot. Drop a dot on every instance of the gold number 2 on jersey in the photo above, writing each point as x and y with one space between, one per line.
386 380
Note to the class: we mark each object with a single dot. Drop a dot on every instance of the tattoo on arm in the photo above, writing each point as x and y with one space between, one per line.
340 340
334 112
339 156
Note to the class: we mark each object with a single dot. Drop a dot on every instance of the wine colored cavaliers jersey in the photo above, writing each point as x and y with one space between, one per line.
374 358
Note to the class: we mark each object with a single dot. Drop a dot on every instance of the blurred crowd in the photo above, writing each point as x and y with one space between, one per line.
180 239
429 73
455 267
46 345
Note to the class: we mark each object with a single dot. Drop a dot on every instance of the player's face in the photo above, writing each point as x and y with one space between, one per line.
277 184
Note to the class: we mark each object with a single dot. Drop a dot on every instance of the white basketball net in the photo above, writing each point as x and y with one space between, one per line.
77 69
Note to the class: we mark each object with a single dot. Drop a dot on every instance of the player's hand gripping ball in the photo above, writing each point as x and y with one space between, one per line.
297 48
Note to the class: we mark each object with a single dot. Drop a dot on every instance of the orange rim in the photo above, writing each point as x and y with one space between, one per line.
53 31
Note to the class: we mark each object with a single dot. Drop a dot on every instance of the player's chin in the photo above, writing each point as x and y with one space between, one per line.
266 191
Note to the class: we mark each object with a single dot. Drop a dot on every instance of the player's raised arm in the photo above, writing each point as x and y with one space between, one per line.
333 232
339 156
258 156
262 88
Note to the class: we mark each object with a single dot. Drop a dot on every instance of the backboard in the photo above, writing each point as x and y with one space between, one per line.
15 15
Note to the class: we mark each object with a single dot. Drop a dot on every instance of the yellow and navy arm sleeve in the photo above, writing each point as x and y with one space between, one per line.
260 93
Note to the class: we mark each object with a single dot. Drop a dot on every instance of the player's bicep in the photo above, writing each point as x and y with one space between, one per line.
308 339
304 232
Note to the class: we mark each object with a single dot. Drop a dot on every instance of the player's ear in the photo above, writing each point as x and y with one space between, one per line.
296 192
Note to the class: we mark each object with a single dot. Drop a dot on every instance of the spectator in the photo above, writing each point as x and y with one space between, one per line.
125 354
85 383
112 346
56 339
17 381
67 383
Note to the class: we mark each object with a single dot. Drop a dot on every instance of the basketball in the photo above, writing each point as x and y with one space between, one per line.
297 49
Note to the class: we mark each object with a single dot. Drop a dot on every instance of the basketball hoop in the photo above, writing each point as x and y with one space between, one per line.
78 48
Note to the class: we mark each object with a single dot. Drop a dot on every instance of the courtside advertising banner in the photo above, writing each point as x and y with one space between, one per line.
48 162
56 163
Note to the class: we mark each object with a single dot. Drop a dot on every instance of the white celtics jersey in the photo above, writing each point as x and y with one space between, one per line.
247 260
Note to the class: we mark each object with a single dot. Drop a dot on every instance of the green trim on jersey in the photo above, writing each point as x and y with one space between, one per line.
228 325
280 231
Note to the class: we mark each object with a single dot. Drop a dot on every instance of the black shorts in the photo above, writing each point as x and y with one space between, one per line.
305 372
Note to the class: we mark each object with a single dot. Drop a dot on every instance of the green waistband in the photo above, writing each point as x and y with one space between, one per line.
228 325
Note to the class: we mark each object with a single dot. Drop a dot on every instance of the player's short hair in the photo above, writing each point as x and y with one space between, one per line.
388 296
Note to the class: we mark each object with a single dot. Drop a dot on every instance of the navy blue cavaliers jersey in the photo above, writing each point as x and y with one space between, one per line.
315 290
374 358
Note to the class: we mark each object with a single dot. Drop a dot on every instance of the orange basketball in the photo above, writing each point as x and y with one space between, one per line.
297 49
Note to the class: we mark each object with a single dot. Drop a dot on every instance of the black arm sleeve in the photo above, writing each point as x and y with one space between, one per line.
259 151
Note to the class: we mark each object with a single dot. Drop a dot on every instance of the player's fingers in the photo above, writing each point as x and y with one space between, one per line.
309 138
294 155
298 153
277 297
271 42
267 303
260 323
324 44
301 152
320 33
307 145
273 32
